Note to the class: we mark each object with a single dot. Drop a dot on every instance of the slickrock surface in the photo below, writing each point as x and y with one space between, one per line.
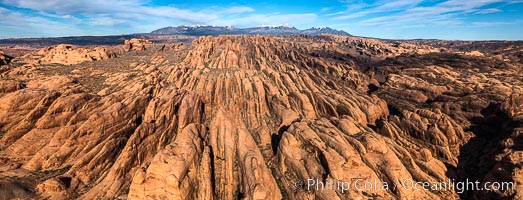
136 44
255 117
4 60
65 54
376 49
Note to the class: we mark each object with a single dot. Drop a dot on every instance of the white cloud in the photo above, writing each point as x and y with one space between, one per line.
65 17
16 24
407 12
106 21
496 23
131 16
99 17
325 9
128 10
361 10
74 7
238 9
271 18
489 10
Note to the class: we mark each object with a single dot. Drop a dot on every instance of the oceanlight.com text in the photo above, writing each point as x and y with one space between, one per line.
406 184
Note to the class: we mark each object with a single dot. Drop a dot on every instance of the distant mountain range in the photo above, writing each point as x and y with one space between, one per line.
199 30
185 33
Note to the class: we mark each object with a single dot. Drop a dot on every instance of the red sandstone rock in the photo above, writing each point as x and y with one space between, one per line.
135 44
255 117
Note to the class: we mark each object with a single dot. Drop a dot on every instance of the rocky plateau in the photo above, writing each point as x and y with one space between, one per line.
256 117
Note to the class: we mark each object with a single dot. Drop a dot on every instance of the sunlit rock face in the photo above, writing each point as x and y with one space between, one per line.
259 117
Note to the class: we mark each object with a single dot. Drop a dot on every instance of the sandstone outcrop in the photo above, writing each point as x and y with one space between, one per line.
65 54
136 44
4 59
258 117
374 48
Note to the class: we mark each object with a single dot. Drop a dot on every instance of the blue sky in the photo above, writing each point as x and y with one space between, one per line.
393 19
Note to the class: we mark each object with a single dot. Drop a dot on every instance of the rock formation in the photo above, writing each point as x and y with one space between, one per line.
258 117
4 60
135 44
65 54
